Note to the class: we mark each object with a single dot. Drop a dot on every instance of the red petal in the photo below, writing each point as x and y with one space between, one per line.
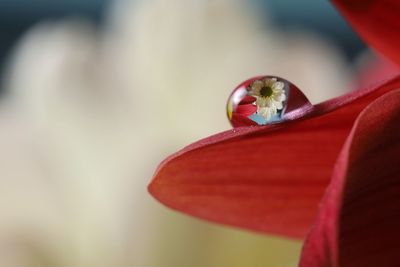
359 220
247 100
246 110
376 21
239 120
268 179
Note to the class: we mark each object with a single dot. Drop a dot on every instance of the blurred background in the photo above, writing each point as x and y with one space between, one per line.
95 93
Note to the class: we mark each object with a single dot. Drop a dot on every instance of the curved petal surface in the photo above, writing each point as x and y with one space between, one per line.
376 21
358 223
268 179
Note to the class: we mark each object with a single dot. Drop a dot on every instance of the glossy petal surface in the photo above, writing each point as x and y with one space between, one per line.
376 21
267 179
358 224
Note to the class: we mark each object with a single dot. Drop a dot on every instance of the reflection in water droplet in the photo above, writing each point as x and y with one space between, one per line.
259 101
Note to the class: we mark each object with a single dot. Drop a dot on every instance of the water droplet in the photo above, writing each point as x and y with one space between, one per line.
264 100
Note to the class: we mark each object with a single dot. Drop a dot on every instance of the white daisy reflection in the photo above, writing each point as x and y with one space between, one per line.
270 96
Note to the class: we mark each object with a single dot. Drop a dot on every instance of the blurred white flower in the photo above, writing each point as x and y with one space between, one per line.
89 115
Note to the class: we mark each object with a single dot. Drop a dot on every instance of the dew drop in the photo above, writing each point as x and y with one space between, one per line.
264 100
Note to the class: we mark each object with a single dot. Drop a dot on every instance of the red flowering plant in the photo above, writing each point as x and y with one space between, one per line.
328 173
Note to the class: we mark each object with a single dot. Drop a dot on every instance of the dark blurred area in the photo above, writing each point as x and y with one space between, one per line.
17 16
318 16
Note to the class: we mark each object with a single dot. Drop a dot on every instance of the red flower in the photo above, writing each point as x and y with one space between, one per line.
345 151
